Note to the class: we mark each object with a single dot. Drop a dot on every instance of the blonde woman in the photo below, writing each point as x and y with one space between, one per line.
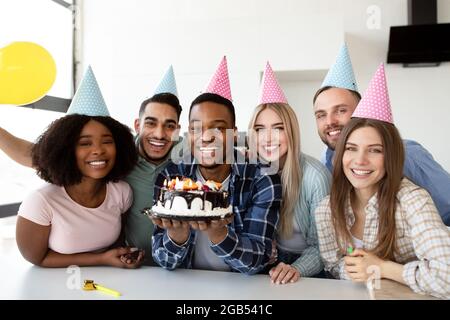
275 132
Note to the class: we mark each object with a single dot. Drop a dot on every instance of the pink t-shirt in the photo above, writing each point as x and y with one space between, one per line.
74 228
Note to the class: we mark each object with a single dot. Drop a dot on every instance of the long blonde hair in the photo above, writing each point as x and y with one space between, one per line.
291 174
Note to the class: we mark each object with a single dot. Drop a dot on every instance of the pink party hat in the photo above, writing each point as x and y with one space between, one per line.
220 83
271 91
375 102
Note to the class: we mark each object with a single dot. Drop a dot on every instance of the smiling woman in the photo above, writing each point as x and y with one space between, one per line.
363 160
274 129
393 224
77 217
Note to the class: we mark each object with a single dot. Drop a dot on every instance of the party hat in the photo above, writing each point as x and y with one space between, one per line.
341 73
167 84
88 99
375 102
270 90
220 83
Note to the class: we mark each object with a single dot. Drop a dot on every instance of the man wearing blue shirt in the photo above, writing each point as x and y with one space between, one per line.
240 243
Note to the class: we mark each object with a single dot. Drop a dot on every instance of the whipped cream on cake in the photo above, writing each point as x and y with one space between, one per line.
187 198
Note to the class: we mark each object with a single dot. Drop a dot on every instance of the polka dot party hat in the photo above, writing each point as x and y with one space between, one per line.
167 84
375 102
88 99
220 83
341 73
270 90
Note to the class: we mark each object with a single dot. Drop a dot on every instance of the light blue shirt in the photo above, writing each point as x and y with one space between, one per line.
327 159
421 168
315 186
295 244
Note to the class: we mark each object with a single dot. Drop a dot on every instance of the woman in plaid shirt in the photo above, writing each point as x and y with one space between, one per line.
393 224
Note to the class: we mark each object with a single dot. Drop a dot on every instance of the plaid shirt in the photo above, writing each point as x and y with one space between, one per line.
247 247
422 239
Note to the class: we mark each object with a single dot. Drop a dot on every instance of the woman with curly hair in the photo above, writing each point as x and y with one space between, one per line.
75 218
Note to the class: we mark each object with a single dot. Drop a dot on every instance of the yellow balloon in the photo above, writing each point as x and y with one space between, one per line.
27 72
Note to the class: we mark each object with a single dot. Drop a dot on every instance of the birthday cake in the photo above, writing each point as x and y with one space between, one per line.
185 198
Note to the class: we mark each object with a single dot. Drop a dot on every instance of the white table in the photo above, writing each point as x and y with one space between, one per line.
22 280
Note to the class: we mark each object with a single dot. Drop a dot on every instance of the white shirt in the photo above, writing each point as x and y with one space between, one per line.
204 257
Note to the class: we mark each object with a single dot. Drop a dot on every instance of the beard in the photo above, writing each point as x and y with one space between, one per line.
327 143
324 135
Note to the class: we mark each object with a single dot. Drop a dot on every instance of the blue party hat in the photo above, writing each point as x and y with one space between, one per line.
168 84
88 99
341 73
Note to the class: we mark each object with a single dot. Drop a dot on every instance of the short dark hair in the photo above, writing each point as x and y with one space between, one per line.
356 94
54 158
212 97
165 97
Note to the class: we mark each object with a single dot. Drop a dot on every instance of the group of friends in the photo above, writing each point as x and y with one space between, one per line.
374 201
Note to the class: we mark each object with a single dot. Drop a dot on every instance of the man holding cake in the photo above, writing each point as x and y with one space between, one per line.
208 185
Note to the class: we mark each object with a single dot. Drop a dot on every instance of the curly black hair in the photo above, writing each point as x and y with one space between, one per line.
53 154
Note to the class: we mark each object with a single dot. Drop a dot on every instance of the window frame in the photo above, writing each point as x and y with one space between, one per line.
52 103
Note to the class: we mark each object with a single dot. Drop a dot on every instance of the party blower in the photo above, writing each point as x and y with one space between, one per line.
89 285
27 72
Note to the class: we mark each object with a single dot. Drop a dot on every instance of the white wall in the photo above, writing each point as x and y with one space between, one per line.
420 97
130 43
49 25
135 41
